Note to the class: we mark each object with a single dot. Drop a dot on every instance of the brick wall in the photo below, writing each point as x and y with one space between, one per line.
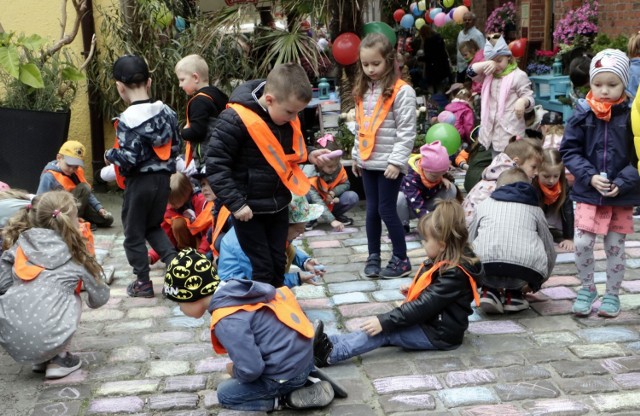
615 17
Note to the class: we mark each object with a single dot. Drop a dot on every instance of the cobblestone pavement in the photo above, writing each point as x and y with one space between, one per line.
141 356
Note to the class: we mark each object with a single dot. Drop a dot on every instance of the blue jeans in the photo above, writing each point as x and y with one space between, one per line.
382 196
257 395
346 346
348 200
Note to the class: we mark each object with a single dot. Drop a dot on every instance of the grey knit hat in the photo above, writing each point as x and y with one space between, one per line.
610 60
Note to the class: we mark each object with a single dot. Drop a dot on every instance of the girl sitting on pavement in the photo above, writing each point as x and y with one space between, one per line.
435 313
47 264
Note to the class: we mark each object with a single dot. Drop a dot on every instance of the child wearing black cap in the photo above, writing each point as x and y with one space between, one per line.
552 128
147 143
263 329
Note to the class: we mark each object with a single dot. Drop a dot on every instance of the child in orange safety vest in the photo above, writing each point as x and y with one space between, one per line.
66 172
263 329
330 188
435 313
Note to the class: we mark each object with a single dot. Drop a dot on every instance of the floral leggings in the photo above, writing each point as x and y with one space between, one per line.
613 246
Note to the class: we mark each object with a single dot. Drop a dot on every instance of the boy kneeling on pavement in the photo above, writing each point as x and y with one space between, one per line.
263 329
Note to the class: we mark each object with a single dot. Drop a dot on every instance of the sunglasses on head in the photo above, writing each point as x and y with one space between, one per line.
494 36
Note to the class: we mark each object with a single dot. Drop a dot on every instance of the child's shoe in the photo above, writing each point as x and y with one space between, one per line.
344 219
140 289
60 367
322 346
317 395
610 306
372 266
514 301
490 301
310 225
396 268
39 368
584 302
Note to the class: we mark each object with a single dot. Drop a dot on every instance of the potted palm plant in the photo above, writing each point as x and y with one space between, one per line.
38 83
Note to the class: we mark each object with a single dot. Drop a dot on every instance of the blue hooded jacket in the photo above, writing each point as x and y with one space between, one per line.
591 146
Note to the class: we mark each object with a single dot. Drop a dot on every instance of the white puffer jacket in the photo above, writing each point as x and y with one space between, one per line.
396 135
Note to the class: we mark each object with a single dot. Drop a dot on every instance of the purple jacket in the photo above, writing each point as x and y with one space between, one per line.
464 118
417 194
591 146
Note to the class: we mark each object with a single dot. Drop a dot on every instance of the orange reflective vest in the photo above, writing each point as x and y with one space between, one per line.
369 125
163 152
221 220
323 188
286 166
422 280
66 182
188 151
203 220
283 305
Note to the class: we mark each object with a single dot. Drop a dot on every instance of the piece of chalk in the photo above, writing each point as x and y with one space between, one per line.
331 155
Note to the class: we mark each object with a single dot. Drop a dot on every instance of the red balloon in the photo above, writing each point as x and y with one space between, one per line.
467 3
397 15
427 17
345 48
518 47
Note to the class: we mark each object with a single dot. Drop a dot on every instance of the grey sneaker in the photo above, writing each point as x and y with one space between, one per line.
315 396
396 268
372 266
60 367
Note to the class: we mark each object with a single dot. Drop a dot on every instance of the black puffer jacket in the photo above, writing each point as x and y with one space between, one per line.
236 169
442 310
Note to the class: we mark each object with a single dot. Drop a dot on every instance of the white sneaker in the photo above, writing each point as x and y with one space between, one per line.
490 302
515 302
60 367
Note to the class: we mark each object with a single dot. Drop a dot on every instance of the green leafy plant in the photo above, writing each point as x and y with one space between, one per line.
38 74
602 42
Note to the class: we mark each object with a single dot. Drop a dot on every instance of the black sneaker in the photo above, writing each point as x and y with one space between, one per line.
407 228
344 219
396 268
315 396
140 289
310 225
372 266
338 389
60 367
322 346
491 301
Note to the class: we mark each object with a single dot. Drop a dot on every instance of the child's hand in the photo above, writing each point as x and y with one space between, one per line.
567 245
601 184
307 278
310 266
446 182
243 214
489 67
371 326
335 200
103 212
356 170
404 289
614 191
189 213
337 225
518 108
391 172
318 161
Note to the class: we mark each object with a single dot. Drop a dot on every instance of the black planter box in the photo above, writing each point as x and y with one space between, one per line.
28 141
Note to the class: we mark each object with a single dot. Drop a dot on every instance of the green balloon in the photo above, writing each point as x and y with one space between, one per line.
446 134
380 27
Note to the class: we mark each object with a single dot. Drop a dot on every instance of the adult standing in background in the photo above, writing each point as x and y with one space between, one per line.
468 32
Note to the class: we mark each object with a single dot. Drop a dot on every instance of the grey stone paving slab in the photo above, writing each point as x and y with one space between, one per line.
466 378
64 393
353 297
127 404
569 369
521 373
496 360
387 385
467 396
387 295
622 365
185 384
526 390
616 402
498 409
609 334
628 380
173 401
432 365
587 385
557 407
598 350
67 408
406 402
354 286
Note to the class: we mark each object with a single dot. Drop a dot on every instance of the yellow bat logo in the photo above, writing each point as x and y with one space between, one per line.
202 265
180 272
193 283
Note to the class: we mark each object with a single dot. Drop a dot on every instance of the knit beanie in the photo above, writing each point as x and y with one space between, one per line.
610 60
435 158
499 49
190 277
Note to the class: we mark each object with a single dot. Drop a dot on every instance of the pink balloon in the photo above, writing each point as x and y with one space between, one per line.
440 19
447 117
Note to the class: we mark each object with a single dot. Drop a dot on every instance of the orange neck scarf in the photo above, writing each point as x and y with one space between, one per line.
602 109
552 194
426 182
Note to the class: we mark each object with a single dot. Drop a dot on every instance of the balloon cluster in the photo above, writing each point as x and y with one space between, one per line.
419 15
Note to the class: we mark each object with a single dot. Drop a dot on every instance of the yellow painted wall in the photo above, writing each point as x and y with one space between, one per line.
43 17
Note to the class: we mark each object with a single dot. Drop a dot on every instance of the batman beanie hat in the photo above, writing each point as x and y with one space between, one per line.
190 277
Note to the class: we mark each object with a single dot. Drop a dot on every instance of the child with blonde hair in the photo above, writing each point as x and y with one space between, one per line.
552 129
386 118
633 51
522 153
437 305
597 150
553 192
506 94
47 263
204 105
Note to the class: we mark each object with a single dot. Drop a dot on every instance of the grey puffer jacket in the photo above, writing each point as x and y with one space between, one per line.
38 317
396 135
